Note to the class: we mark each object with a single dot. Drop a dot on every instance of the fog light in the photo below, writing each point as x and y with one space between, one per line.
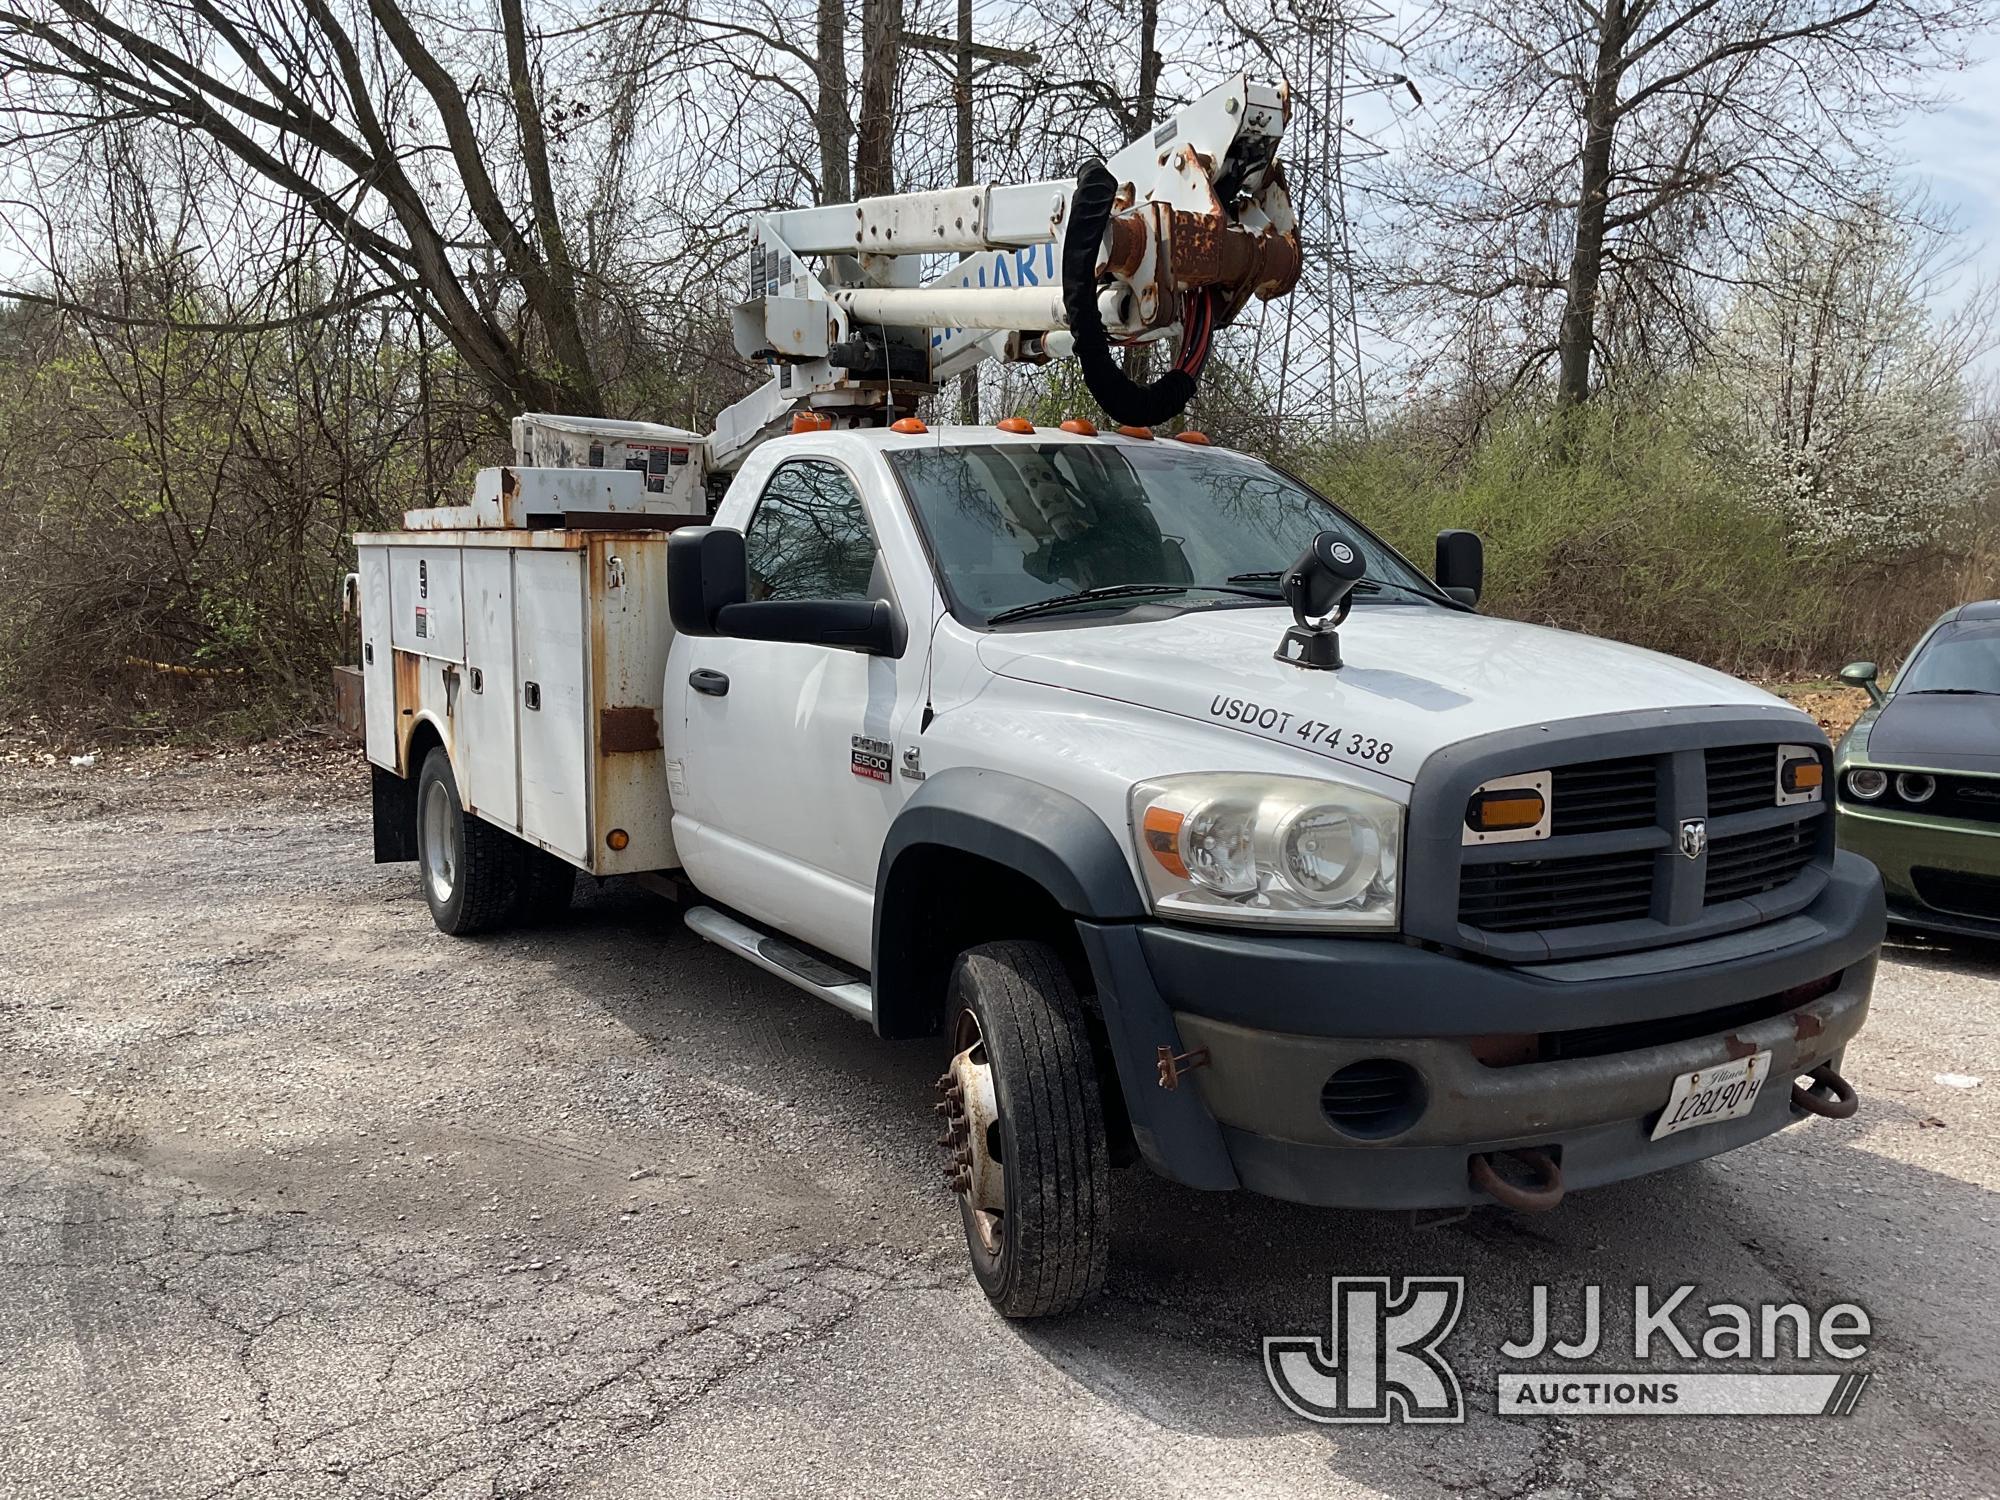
1374 1100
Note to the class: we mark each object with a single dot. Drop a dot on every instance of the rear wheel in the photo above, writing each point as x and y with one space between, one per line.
469 868
1024 1126
544 886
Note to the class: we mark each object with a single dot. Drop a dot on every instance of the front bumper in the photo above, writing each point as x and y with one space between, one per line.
1279 1015
1898 843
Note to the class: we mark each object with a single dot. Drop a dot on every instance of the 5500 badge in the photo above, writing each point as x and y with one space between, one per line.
1352 744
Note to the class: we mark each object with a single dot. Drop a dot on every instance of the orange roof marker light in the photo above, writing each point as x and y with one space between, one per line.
1080 427
1145 433
1199 439
907 424
1015 424
811 421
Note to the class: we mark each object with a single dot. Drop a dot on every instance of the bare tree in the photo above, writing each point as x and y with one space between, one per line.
881 65
1597 167
345 112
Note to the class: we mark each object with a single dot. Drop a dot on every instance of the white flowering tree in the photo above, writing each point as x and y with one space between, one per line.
1837 394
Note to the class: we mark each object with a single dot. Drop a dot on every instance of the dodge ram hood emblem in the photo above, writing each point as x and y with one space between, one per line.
1694 837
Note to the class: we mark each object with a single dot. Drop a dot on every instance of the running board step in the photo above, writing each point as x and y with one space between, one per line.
835 985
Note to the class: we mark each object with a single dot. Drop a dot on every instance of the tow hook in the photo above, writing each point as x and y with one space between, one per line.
1831 1096
1536 1197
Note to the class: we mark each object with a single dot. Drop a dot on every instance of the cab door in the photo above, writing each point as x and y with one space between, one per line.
789 771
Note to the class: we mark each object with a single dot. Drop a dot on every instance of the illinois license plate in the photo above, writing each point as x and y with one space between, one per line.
1727 1091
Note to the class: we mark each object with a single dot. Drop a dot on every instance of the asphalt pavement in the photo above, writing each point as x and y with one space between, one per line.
301 1199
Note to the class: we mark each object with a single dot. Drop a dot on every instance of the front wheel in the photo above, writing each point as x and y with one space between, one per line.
469 867
1025 1131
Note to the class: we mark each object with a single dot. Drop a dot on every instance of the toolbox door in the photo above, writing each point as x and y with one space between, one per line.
551 697
486 701
378 667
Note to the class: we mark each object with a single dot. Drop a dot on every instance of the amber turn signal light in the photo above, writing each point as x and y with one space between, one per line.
1162 830
1503 810
1802 776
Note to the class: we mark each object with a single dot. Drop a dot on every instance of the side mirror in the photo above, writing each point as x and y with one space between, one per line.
871 626
707 571
1862 674
1461 565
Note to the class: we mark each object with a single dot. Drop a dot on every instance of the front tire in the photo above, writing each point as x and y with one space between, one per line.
469 868
1025 1126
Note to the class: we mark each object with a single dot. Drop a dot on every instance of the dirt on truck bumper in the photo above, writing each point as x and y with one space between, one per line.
1373 1073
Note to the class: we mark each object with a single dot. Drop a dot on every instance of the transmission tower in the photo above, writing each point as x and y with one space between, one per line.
1314 356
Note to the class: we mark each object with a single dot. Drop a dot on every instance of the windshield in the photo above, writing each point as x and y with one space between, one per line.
1015 525
1961 659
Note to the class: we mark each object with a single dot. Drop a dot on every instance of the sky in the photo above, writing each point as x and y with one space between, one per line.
1955 153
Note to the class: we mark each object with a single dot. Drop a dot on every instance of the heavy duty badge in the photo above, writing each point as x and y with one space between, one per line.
871 758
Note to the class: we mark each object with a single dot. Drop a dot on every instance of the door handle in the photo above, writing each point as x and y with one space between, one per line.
704 680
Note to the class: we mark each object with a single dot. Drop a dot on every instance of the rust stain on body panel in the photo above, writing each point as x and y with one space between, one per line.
628 730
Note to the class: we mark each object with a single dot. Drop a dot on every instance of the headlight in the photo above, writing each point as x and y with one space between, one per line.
1280 849
1867 783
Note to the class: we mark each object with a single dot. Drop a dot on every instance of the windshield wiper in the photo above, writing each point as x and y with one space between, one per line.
1964 692
1119 591
1365 586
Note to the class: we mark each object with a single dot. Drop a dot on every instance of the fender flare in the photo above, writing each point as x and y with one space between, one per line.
1042 834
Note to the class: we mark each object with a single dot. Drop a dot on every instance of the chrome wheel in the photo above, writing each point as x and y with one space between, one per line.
972 1134
440 857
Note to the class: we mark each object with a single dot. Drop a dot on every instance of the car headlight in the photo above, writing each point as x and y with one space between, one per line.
1227 847
1867 783
1915 786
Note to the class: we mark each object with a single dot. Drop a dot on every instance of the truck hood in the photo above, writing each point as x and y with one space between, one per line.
1415 680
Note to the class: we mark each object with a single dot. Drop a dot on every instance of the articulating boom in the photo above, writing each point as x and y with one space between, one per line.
1173 235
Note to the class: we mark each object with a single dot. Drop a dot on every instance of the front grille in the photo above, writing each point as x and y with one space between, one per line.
1952 891
1614 851
1519 895
1975 798
1748 864
1741 778
1604 795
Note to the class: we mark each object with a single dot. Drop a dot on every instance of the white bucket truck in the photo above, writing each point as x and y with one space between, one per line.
1206 830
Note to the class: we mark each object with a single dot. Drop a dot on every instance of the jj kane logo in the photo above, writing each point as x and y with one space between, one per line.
1382 1362
1384 1359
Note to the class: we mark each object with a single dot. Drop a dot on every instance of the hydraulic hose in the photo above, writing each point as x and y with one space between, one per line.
1123 399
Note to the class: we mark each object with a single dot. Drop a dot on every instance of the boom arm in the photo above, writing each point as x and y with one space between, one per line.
1173 235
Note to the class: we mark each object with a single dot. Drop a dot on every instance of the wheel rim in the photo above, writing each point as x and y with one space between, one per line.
971 1139
440 866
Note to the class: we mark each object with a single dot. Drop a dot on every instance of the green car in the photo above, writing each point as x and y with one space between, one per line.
1918 777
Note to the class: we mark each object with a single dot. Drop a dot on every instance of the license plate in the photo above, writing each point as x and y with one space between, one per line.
1727 1091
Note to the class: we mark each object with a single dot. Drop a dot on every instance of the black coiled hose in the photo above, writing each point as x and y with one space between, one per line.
1123 399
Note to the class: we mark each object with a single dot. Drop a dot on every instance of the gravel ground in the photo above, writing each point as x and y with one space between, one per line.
299 1198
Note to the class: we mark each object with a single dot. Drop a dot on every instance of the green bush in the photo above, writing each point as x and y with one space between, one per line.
1609 521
